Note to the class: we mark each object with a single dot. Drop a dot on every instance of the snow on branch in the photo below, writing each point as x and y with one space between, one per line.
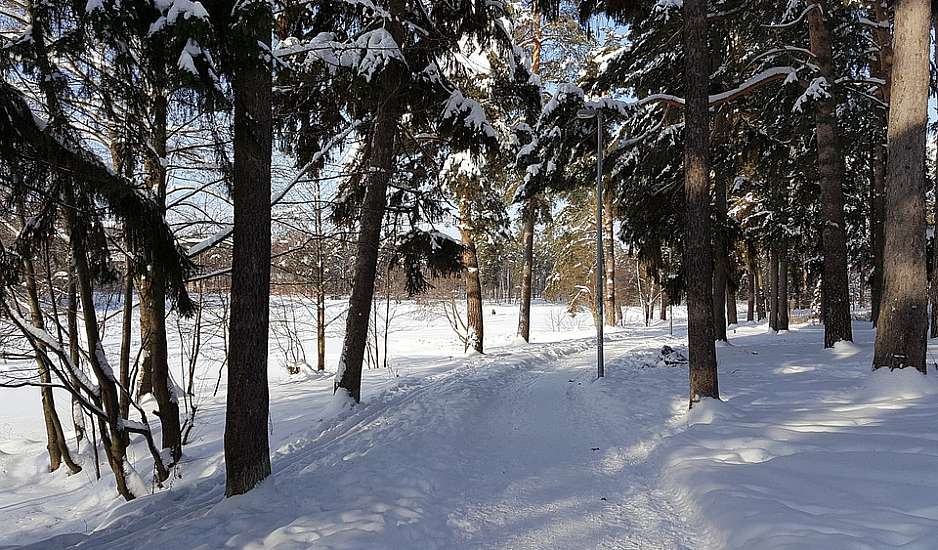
796 20
787 74
39 335
470 111
366 54
173 9
819 89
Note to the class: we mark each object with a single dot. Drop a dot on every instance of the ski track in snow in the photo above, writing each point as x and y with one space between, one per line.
526 449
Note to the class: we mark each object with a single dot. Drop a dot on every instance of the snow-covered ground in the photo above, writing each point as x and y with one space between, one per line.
524 448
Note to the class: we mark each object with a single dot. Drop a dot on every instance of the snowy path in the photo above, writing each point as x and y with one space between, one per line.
525 449
514 450
554 461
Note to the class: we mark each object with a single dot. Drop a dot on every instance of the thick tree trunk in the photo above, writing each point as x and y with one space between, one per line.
933 292
933 296
698 256
247 458
903 322
830 168
719 263
382 150
665 302
609 259
773 289
782 279
474 339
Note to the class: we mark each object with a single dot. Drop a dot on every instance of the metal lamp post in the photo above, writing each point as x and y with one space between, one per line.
600 261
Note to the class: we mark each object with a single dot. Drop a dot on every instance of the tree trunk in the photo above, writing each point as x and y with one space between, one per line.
665 302
112 435
320 286
760 293
731 313
782 278
382 149
773 289
609 259
71 316
698 256
474 337
528 214
126 321
56 444
751 278
830 168
933 296
145 380
152 290
527 270
903 322
877 215
719 263
247 458
881 70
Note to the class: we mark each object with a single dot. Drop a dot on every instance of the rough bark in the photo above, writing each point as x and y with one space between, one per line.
698 257
720 263
382 150
830 168
474 324
933 295
247 458
903 323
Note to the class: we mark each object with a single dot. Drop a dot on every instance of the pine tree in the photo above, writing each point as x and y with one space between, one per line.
400 62
697 257
903 322
247 457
